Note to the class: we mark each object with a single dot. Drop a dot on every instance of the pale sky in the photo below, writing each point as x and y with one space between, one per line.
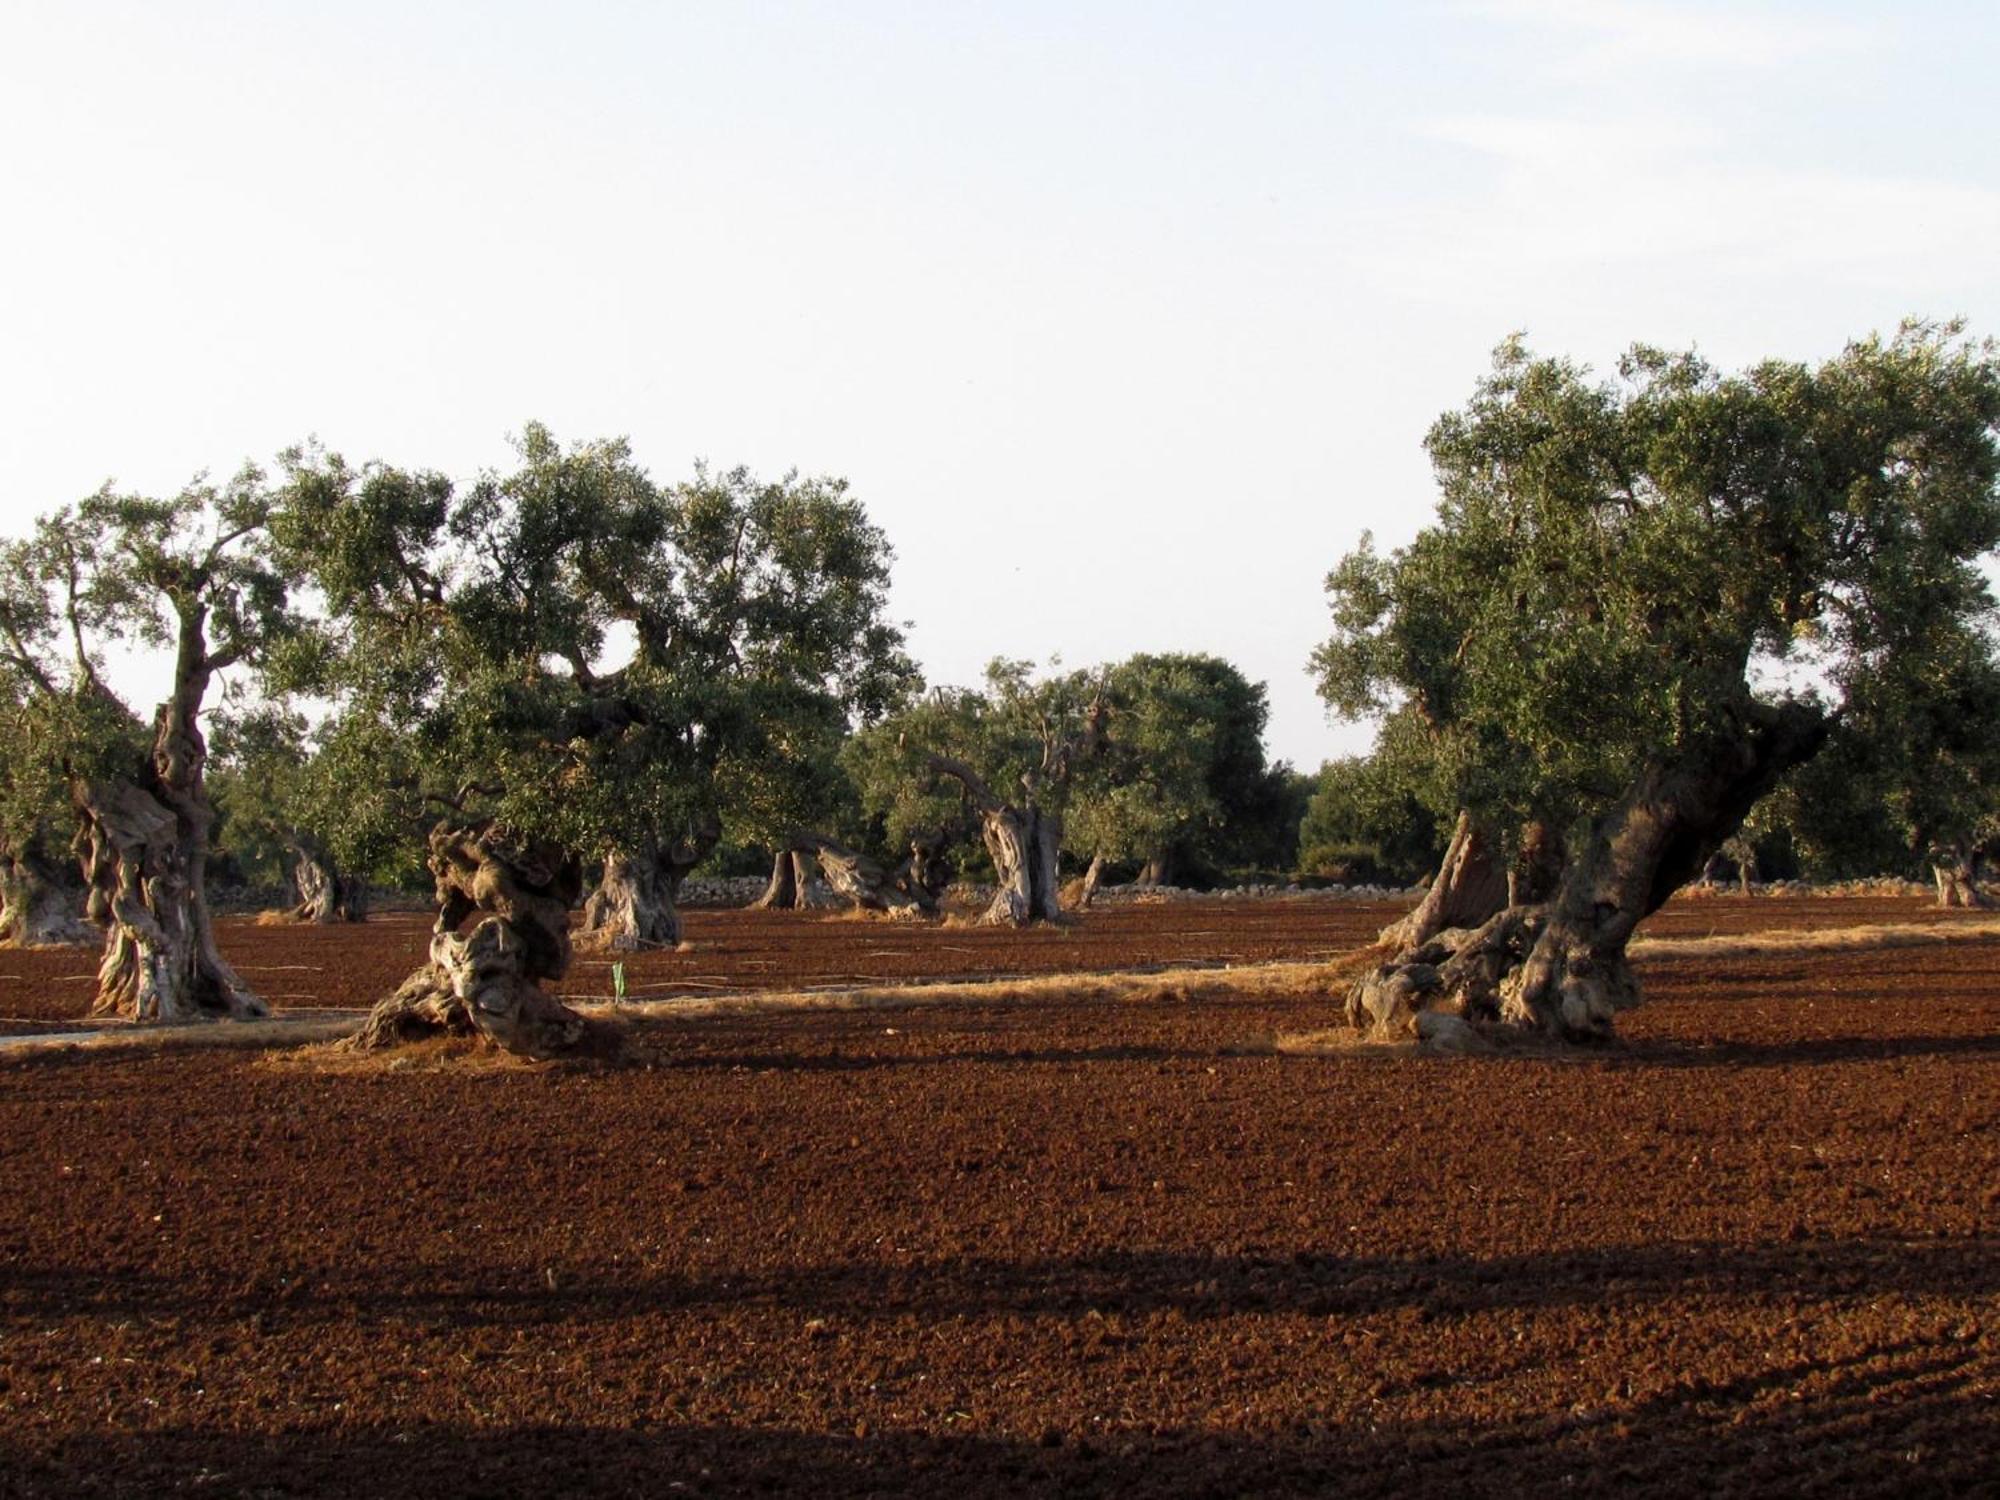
1124 320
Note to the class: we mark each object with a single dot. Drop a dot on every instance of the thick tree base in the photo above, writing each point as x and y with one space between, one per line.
160 959
327 897
487 981
473 986
41 903
1468 988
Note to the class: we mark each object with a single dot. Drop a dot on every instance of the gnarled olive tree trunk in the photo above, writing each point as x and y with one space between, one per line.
1559 969
1470 886
793 885
326 895
41 900
487 980
1086 887
1025 844
1158 869
925 871
634 906
1956 872
858 878
145 844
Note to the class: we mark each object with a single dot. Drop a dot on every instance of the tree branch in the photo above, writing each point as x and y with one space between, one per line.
982 794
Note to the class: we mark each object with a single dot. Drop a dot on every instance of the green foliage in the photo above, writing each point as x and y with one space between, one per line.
1618 570
191 574
1150 755
607 661
343 788
1181 769
1913 772
1365 818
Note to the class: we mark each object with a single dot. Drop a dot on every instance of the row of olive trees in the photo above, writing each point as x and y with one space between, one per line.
1643 606
561 668
566 658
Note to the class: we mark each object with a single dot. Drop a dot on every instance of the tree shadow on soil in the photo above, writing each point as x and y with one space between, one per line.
861 1062
1805 1052
1904 1421
1139 1283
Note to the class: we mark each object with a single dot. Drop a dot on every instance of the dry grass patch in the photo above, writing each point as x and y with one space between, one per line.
1820 940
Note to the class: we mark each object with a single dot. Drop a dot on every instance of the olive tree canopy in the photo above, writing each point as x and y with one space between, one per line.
1642 602
591 666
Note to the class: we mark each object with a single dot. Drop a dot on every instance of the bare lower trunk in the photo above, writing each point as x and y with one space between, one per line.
1957 878
1470 887
794 883
1538 866
41 902
925 872
1560 969
634 906
326 896
1086 888
1158 870
487 980
858 879
147 846
1025 845
782 891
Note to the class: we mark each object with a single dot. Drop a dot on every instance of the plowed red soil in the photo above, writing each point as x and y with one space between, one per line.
1094 1248
728 951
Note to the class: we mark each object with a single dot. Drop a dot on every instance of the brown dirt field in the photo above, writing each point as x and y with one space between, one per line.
1090 1248
352 967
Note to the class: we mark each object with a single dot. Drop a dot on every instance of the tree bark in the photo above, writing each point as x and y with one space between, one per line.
326 896
147 849
1956 872
41 902
1086 888
1158 870
633 906
782 892
1469 888
1538 867
858 878
487 981
925 872
1025 844
793 885
1560 969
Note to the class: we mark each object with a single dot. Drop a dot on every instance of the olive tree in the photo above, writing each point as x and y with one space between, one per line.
1643 602
340 800
1180 765
41 890
581 658
1005 758
1911 777
187 576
